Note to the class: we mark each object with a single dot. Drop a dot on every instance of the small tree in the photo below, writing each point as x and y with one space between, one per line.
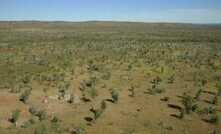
79 130
115 95
42 115
103 105
97 112
188 103
25 95
71 99
198 93
15 116
55 119
33 110
62 89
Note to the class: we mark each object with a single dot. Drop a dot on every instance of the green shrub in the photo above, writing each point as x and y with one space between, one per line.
79 130
32 120
93 92
188 103
215 99
103 105
42 115
171 79
25 95
207 110
198 93
16 89
42 129
212 118
71 100
62 89
106 75
97 113
26 79
33 110
159 90
28 123
55 119
15 116
115 95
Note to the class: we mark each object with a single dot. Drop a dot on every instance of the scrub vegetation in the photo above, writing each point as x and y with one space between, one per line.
109 78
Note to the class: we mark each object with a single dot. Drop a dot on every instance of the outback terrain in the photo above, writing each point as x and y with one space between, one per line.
109 78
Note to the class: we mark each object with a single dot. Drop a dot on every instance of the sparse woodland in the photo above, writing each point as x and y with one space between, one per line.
109 78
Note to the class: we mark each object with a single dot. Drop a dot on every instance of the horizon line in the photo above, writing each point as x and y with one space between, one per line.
119 21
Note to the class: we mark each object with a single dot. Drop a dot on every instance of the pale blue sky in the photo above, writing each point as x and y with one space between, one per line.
189 11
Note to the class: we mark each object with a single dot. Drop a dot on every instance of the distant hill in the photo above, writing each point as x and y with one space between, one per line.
103 23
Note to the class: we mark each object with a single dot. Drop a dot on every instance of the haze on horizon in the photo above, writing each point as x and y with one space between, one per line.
182 11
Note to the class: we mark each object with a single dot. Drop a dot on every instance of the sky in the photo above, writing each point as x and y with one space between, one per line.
185 11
